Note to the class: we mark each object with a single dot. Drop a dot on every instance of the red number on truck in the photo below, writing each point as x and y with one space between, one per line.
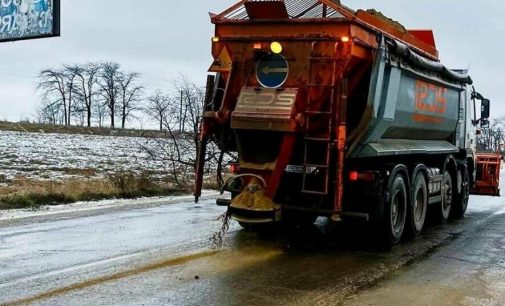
430 98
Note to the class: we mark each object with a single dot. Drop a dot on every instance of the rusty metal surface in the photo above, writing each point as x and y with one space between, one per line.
327 10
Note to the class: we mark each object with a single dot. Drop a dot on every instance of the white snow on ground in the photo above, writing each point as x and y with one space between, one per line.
487 204
54 156
97 205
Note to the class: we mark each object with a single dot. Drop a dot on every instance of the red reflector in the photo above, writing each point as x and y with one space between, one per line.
234 169
367 176
361 176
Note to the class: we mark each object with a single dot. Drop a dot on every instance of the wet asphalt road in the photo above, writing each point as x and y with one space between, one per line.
164 255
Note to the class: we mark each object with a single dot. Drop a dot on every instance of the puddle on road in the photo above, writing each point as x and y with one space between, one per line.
217 239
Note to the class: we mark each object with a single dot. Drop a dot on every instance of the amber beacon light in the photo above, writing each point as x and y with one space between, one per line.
276 47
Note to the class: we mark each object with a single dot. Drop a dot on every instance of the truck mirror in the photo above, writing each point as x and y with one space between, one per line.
485 105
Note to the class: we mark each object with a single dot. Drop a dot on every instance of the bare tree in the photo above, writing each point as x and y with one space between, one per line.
110 90
491 139
49 112
85 88
181 121
189 108
130 95
70 73
100 111
157 107
53 86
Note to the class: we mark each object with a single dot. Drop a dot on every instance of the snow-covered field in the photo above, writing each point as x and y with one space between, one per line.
60 156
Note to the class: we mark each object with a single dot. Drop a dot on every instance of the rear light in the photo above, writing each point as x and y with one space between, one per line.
257 46
355 176
215 39
345 39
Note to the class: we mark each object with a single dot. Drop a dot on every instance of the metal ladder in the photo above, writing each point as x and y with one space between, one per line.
319 142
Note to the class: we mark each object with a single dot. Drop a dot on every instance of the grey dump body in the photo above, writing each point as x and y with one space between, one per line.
414 106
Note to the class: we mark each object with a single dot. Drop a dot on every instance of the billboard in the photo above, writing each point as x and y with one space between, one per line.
29 19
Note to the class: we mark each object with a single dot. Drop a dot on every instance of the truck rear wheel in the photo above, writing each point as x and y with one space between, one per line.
462 196
419 204
443 209
395 210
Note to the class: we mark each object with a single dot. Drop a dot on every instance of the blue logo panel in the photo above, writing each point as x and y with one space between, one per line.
272 71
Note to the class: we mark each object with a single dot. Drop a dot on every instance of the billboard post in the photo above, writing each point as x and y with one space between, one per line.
29 19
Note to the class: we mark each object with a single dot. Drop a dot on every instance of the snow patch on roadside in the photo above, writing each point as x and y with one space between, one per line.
13 214
487 204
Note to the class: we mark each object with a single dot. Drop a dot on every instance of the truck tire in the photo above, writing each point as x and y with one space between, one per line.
418 204
462 196
443 209
395 210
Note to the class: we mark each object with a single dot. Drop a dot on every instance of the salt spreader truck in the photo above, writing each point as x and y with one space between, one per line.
339 113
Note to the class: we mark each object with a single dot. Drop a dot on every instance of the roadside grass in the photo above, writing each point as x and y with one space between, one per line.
27 193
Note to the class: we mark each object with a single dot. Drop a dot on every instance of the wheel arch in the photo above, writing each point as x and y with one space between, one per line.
451 165
417 169
399 168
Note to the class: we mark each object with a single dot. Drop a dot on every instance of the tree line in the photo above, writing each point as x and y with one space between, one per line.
97 93
492 139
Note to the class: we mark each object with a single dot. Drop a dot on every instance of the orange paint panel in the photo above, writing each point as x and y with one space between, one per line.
360 52
426 119
397 32
425 36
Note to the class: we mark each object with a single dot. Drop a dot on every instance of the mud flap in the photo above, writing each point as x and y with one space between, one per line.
200 162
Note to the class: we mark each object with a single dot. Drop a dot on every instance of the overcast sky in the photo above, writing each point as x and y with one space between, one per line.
165 38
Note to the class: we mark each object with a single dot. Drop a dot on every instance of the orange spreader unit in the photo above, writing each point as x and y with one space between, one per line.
488 174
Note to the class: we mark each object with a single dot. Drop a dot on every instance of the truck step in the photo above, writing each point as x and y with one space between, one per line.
316 166
320 139
319 85
318 113
321 193
322 58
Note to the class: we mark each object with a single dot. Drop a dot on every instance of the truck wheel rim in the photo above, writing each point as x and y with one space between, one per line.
419 205
447 196
397 208
465 191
